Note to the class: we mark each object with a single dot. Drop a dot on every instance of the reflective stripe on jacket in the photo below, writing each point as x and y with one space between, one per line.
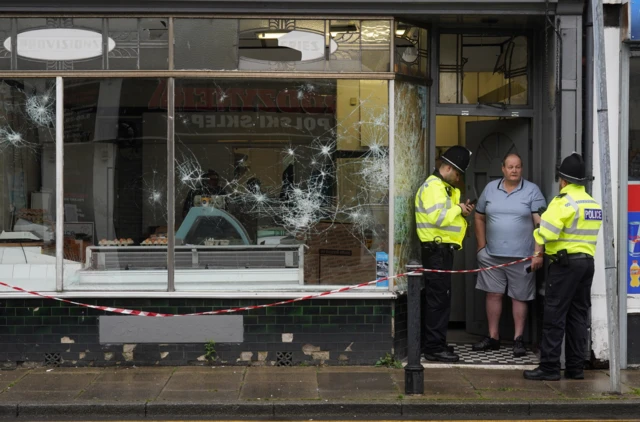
571 222
438 214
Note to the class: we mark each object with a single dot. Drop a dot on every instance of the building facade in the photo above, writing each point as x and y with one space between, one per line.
215 155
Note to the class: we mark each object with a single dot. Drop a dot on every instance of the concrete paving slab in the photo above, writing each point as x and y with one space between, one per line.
594 386
432 375
58 382
84 370
38 396
8 378
128 384
126 375
483 379
373 384
120 392
520 395
229 379
294 390
631 378
280 374
446 391
198 396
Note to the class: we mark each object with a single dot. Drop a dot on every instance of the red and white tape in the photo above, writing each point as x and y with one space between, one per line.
268 305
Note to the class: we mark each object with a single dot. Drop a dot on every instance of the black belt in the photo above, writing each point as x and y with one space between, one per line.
572 256
439 245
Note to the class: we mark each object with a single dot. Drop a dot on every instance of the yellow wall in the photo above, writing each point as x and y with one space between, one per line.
362 114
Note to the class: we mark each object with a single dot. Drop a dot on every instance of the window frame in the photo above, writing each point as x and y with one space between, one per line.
171 75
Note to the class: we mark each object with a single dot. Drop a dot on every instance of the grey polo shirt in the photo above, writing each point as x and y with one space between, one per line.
509 220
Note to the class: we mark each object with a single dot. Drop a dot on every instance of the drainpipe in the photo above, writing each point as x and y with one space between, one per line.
587 130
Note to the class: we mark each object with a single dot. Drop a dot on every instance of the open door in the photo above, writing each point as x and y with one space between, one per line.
489 141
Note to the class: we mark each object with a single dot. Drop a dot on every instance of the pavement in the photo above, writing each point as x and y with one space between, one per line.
306 392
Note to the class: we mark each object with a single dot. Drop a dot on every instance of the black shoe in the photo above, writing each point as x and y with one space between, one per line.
487 343
539 374
574 374
518 347
450 349
444 356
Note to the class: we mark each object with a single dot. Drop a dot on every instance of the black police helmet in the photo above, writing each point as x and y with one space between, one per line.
458 157
572 169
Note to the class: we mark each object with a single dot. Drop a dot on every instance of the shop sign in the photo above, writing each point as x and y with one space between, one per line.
283 99
310 44
633 240
634 20
59 44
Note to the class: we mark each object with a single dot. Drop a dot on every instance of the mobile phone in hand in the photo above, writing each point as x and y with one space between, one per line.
473 201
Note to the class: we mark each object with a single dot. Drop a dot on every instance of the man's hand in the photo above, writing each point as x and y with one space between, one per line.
536 263
467 207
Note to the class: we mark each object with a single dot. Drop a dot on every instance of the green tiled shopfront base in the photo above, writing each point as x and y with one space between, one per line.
325 331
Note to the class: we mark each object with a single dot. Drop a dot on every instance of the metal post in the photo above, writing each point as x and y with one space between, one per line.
605 171
171 199
59 184
413 372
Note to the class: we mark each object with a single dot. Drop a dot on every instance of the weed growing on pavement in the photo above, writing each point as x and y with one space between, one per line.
210 351
389 361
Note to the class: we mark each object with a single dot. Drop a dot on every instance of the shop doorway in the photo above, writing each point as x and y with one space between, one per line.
489 139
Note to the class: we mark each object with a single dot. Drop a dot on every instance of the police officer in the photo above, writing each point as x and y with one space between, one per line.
568 230
441 228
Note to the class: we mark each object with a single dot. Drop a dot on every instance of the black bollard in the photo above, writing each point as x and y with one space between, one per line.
413 371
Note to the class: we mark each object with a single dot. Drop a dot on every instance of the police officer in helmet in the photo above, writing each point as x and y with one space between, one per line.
568 230
441 226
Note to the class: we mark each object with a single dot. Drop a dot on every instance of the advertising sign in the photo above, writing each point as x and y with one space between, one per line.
633 241
634 20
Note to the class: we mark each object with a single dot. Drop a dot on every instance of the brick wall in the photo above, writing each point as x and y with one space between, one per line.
333 332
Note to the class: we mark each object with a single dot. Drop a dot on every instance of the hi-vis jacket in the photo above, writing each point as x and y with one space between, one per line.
438 214
571 222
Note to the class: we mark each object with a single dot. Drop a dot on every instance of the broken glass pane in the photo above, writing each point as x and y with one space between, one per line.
27 183
282 176
410 170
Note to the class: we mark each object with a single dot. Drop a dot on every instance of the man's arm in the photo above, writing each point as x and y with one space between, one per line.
537 262
481 226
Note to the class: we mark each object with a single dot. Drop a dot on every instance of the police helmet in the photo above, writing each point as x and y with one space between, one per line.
572 169
458 157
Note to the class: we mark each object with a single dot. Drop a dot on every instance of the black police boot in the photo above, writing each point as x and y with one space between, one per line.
540 374
487 343
574 374
443 356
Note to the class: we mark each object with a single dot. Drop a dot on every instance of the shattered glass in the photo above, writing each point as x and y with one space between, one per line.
299 162
27 182
410 170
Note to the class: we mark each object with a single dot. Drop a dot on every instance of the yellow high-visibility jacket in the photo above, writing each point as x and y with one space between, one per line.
438 216
571 222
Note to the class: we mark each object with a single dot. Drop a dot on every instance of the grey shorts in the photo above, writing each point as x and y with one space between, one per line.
513 280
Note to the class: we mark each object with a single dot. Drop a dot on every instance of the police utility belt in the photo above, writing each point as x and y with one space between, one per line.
563 258
437 244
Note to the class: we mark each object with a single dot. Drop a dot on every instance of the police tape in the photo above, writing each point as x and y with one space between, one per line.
268 305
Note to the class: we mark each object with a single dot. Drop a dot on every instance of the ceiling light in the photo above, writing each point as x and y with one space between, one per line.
271 35
401 29
343 29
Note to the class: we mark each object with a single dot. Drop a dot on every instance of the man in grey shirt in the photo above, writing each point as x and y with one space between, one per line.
506 215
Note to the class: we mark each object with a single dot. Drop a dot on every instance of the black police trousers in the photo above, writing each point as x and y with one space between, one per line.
436 298
567 301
